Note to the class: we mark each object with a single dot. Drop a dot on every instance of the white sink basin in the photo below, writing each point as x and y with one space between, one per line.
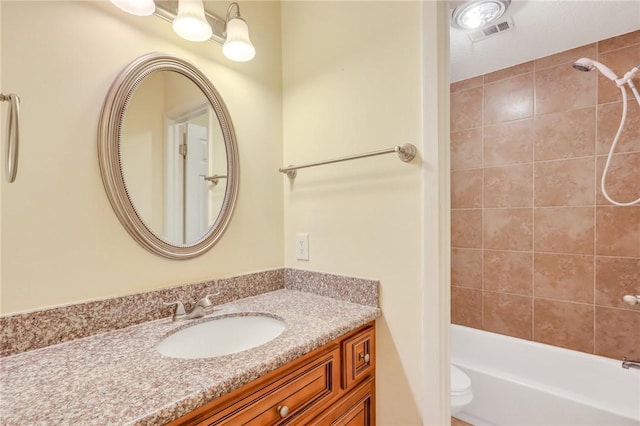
221 336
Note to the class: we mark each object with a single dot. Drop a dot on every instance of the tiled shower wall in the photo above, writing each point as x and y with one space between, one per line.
537 252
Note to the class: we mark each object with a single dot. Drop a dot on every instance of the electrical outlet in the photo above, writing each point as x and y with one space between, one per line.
302 246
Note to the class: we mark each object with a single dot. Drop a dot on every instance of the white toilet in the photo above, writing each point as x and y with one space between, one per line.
461 394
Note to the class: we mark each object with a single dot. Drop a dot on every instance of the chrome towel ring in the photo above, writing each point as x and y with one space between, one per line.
13 135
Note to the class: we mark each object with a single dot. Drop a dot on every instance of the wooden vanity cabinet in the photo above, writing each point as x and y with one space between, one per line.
355 409
357 357
332 385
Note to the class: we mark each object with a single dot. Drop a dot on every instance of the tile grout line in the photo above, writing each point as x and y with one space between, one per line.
552 299
533 206
482 202
595 206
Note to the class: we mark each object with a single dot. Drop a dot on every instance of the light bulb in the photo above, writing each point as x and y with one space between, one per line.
478 13
190 23
136 7
238 46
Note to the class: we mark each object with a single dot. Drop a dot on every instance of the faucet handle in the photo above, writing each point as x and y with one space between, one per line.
205 302
180 313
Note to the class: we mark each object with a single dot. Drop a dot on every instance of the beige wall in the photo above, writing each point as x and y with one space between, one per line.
539 253
2 112
61 241
353 83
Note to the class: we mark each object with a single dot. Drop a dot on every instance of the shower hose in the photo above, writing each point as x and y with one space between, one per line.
615 142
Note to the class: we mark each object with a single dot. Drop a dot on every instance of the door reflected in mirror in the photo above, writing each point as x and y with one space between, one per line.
173 158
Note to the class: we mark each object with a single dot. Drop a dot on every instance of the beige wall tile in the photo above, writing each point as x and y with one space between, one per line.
466 307
466 268
508 143
513 71
508 186
608 123
508 271
618 231
466 149
509 99
563 277
548 251
466 228
560 89
619 41
617 333
568 56
565 134
615 277
466 189
508 229
619 61
466 109
508 314
564 324
565 182
564 230
623 178
469 83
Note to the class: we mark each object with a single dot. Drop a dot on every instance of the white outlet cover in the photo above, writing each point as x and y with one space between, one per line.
302 246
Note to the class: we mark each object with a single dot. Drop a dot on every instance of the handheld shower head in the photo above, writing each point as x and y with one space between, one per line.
582 67
586 64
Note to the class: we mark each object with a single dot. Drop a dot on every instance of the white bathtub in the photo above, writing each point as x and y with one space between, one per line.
517 382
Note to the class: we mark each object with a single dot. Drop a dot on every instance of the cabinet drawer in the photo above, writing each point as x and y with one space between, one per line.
355 409
358 357
281 401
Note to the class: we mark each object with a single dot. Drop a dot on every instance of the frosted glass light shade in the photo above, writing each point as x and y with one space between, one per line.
238 46
136 7
190 22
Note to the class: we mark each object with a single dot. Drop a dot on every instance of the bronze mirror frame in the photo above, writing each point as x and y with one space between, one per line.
109 140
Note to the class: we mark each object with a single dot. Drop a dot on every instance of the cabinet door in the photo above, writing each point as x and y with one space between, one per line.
357 408
358 357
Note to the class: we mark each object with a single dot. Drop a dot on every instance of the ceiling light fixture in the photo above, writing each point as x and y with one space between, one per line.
191 22
478 13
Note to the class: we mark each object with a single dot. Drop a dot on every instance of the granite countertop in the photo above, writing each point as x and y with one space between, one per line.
119 378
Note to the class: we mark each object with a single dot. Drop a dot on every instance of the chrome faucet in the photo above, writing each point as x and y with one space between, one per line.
627 363
202 307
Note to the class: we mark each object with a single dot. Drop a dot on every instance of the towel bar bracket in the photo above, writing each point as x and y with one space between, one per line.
13 135
406 152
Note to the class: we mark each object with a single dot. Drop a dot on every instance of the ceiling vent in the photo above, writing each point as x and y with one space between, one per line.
490 30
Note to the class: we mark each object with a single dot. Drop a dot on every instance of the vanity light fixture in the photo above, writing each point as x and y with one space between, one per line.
478 13
237 46
191 22
136 7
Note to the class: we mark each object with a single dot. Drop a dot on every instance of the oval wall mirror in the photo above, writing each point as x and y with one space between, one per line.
168 156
